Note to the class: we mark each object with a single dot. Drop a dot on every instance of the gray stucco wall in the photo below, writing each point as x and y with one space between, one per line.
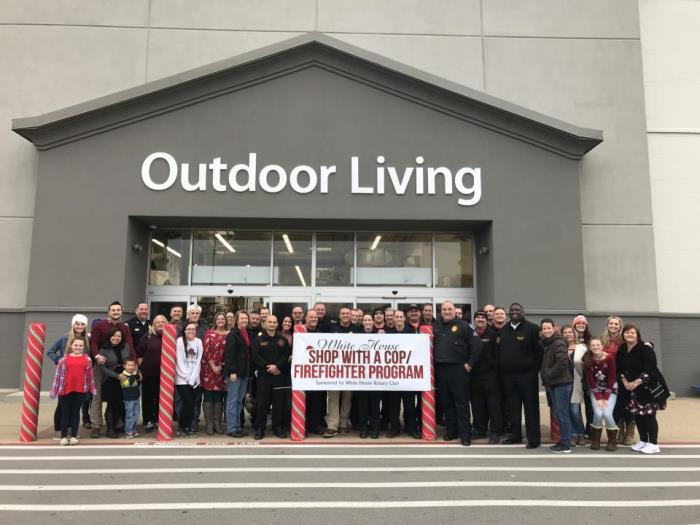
312 116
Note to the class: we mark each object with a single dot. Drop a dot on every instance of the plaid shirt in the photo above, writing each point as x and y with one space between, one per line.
59 380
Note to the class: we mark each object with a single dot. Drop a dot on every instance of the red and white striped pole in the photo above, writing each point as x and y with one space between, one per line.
428 397
166 401
298 427
32 382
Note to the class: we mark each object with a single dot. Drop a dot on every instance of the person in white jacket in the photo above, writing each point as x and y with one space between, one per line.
188 365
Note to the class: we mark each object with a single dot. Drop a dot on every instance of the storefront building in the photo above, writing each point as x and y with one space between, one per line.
315 170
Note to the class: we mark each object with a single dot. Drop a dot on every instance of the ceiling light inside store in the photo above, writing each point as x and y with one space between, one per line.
301 276
285 237
168 248
224 242
375 243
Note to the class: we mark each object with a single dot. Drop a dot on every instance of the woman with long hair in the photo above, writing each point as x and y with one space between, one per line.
636 367
61 347
116 352
576 352
237 371
188 365
601 377
148 355
213 379
611 338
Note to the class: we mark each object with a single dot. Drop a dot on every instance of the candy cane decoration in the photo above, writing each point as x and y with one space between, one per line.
32 382
166 402
428 398
298 432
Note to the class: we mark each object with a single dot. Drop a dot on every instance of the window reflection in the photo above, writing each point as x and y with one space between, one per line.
394 258
454 260
334 259
292 259
170 254
231 257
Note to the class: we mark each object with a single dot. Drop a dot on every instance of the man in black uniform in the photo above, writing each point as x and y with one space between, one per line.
315 399
519 360
139 324
410 421
325 325
270 353
485 384
456 350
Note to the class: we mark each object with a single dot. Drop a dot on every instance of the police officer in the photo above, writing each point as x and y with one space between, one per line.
139 324
315 399
456 351
396 398
270 354
519 360
486 384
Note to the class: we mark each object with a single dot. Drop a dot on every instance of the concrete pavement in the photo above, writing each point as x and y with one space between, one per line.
679 423
382 483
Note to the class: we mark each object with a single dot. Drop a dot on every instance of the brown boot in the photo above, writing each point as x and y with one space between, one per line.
218 413
612 439
208 410
621 431
595 437
629 433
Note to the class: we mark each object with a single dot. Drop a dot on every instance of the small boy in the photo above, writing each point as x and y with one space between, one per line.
130 380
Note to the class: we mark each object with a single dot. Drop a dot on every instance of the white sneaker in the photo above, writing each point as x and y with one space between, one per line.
73 441
64 442
650 448
56 436
639 445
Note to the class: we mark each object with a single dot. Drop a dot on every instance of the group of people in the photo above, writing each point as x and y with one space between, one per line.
241 363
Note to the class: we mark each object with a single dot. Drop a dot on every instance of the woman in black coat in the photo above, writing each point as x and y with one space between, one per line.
636 368
237 370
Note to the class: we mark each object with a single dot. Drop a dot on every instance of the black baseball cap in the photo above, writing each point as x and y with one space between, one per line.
480 313
413 306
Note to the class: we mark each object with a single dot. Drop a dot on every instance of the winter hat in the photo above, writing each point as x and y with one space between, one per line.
580 318
79 318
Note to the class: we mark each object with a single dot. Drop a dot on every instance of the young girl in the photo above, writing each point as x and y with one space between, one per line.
188 365
72 381
601 377
60 347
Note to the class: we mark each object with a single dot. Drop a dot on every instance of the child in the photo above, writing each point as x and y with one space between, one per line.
72 381
130 380
601 376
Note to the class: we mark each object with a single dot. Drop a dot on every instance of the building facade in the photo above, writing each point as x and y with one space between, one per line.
374 154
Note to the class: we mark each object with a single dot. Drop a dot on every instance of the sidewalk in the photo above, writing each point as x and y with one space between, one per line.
678 424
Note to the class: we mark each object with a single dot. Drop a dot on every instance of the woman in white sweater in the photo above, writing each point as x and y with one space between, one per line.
188 365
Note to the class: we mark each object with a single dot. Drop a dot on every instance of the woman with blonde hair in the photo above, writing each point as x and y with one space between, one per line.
61 347
148 353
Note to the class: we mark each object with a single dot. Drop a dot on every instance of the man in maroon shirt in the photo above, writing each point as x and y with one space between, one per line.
99 335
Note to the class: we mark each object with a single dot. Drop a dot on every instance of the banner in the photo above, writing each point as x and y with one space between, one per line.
361 362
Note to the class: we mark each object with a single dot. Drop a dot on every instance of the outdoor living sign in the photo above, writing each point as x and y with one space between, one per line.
160 171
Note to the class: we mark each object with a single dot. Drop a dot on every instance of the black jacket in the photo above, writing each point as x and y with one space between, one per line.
236 355
351 329
633 363
454 342
270 350
138 330
519 349
488 362
555 362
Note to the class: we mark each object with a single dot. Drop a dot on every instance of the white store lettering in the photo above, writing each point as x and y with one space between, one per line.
304 179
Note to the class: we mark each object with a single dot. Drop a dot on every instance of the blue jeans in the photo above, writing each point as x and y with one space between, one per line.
577 427
607 413
131 415
560 396
235 397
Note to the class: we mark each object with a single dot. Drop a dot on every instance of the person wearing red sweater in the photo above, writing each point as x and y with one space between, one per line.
99 336
601 377
72 381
